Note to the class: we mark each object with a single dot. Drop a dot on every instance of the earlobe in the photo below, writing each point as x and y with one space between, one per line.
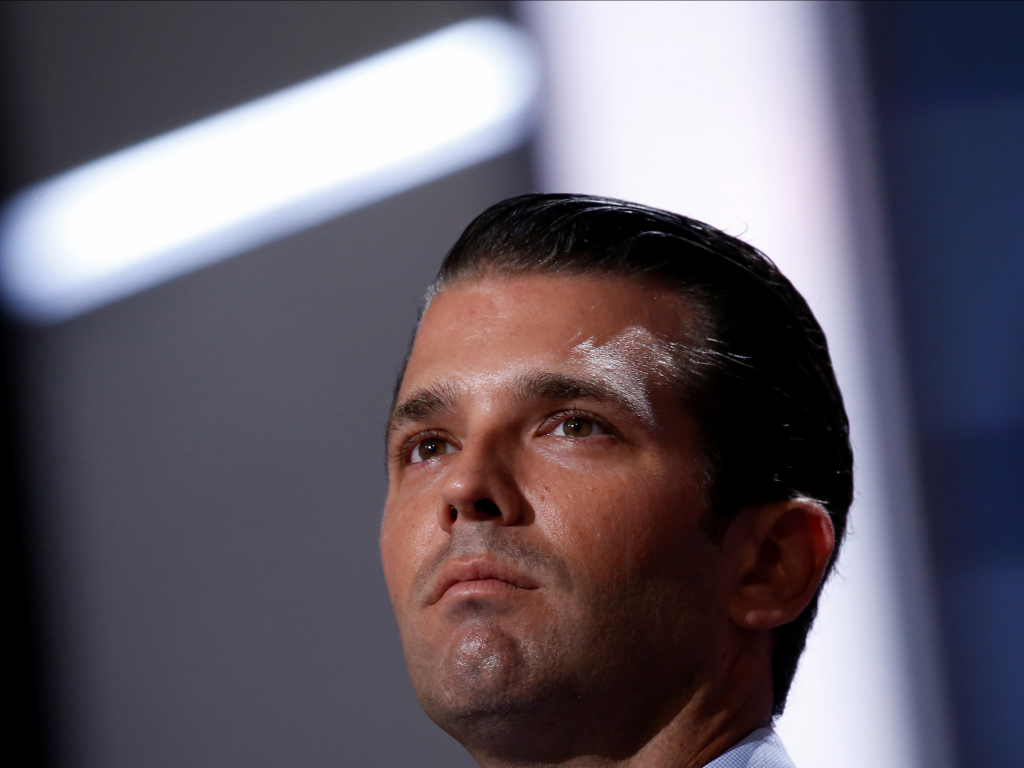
778 555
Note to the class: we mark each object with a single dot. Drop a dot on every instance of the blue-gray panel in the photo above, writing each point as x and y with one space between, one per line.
949 80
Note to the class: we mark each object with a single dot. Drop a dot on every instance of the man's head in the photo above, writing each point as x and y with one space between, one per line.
618 465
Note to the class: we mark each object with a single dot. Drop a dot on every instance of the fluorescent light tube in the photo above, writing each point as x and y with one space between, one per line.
265 169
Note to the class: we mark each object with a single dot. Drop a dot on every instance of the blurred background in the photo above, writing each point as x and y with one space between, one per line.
192 425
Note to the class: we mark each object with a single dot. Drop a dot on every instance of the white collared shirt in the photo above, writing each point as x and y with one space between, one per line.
761 749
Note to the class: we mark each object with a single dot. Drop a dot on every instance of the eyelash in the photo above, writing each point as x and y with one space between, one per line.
553 421
404 451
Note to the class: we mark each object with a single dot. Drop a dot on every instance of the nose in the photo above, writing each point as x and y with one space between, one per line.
480 487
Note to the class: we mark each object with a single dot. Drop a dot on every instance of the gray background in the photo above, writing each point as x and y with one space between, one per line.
205 458
207 468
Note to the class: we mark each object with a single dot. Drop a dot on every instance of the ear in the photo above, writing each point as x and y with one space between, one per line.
777 555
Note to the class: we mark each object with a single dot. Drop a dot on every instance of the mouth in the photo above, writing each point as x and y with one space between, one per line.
478 577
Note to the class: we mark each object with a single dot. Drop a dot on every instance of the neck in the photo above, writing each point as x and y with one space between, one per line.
685 730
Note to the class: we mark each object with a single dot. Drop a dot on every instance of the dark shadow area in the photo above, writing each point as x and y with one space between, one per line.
28 719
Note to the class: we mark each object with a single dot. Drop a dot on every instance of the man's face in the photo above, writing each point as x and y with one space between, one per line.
542 538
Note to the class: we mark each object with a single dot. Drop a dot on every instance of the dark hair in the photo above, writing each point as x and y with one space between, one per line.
772 416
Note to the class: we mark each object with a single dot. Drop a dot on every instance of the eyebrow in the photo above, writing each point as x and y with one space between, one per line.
421 405
557 387
430 402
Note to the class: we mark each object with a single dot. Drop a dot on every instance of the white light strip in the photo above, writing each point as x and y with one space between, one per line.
725 112
265 169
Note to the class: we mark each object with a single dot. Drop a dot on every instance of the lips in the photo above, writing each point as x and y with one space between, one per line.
478 572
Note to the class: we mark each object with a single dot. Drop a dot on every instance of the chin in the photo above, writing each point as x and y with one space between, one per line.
477 671
484 685
521 691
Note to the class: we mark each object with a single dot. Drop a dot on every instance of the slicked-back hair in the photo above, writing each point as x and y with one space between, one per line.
761 380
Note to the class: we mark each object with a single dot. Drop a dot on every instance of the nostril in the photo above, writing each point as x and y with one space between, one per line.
488 507
453 513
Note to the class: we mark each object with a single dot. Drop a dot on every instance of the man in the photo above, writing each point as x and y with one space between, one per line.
619 472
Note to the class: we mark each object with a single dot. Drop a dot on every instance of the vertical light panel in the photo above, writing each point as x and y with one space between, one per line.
725 112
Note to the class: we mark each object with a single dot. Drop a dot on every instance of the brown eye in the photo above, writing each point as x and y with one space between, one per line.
430 448
575 427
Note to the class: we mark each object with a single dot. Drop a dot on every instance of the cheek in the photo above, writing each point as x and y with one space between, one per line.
620 524
405 540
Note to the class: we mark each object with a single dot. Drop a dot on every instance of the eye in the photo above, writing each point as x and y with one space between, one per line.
578 426
430 448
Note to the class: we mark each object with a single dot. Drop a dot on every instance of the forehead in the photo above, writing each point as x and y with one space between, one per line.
502 326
